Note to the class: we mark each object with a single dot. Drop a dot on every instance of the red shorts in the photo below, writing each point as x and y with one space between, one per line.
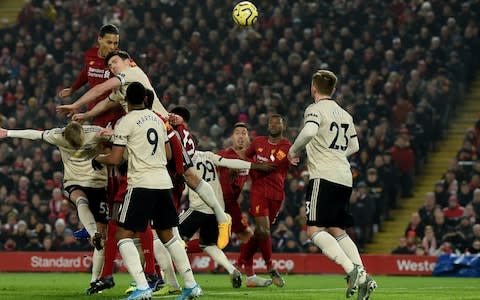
122 189
264 207
239 223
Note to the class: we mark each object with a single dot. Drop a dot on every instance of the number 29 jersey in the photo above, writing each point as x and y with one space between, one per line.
205 166
144 135
327 151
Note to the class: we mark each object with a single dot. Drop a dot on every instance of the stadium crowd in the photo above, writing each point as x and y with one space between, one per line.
403 66
449 220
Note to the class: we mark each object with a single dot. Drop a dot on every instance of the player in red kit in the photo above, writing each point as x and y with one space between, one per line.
266 197
95 72
232 181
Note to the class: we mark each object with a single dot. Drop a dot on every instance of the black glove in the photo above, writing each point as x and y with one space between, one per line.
96 165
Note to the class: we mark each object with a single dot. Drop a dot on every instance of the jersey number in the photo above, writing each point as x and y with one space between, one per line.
152 138
334 127
208 170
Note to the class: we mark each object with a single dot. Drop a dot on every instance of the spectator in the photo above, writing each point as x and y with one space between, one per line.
426 212
453 212
404 157
429 242
402 247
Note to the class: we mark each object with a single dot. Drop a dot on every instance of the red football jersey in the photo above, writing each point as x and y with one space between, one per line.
186 138
95 72
232 181
269 184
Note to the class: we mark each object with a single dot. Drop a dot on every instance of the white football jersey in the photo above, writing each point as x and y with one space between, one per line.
144 135
327 151
205 165
77 163
135 74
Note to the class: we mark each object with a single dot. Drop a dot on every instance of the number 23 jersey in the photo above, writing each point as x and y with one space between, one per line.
144 135
327 151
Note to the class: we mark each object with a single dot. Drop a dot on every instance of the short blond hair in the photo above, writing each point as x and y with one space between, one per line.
74 134
324 82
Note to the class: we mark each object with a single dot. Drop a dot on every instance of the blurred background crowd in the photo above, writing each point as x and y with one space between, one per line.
403 66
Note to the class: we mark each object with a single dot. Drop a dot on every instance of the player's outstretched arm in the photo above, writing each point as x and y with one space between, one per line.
89 96
239 164
23 134
99 109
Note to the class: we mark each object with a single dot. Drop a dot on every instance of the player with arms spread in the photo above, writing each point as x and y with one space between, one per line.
329 137
84 187
266 197
94 72
143 135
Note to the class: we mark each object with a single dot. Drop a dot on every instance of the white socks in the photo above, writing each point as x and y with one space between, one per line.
131 259
97 263
205 191
220 258
164 260
181 261
350 249
332 249
86 216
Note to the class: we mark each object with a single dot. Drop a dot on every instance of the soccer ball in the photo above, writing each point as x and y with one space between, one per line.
245 13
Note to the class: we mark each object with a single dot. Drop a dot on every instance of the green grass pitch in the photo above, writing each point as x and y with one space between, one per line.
298 287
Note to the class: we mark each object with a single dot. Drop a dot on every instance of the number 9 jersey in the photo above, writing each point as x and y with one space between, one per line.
144 135
335 140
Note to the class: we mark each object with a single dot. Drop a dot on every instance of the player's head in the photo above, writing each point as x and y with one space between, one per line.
74 134
135 95
240 139
108 39
275 125
323 83
149 97
182 112
117 61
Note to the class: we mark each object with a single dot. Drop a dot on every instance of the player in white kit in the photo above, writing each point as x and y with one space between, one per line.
85 187
200 217
329 137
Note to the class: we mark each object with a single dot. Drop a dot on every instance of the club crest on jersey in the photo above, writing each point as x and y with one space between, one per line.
106 74
260 149
91 62
280 155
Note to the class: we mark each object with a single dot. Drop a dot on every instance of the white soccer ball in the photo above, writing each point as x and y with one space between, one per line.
245 13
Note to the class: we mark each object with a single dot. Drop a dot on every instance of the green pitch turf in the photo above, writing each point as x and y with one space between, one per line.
298 287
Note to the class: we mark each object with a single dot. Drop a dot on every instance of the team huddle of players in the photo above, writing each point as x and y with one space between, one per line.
126 182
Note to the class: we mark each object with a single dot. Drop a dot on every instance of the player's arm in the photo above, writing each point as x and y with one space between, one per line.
112 158
91 95
23 134
168 150
120 139
99 109
81 80
238 163
308 132
353 145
